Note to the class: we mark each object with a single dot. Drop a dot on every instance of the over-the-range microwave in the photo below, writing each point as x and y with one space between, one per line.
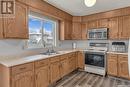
98 34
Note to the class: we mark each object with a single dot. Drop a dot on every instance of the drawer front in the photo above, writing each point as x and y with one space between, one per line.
41 63
123 57
22 68
54 59
111 56
63 57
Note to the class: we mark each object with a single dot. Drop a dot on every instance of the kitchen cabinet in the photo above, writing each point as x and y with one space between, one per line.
112 64
117 65
24 79
123 66
103 23
25 1
76 31
1 28
93 24
68 30
124 31
65 30
17 27
22 76
113 28
42 73
72 62
55 69
64 69
80 61
84 31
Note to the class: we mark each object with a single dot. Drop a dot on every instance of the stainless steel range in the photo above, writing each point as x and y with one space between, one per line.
95 58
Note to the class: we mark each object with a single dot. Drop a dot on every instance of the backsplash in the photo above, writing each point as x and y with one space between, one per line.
110 43
16 47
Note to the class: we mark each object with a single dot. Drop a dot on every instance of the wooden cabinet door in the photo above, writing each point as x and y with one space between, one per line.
42 76
92 24
103 23
112 64
84 31
1 28
113 28
76 31
72 64
68 30
24 79
123 66
81 60
124 27
17 27
55 71
64 67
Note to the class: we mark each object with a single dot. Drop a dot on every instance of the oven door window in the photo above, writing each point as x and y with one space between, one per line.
94 59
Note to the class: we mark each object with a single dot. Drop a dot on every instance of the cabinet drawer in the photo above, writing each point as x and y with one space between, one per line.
22 68
55 59
112 56
72 54
63 57
41 63
123 57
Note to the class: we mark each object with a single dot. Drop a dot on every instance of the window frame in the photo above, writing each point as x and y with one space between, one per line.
47 19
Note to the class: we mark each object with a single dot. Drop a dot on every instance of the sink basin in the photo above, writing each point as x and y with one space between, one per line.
54 53
47 53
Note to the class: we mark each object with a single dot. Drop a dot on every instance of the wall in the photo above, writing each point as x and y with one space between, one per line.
16 47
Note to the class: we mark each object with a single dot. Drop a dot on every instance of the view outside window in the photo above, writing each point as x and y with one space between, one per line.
41 32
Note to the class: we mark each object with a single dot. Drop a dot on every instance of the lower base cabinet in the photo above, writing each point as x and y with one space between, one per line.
72 62
112 64
21 76
39 73
24 79
123 66
80 60
64 70
55 71
42 76
117 65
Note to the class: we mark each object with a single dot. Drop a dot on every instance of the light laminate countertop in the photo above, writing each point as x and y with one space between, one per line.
9 62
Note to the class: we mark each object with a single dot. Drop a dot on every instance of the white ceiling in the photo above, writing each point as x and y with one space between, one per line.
78 8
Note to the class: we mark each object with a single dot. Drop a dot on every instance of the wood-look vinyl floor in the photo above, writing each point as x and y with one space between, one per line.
84 79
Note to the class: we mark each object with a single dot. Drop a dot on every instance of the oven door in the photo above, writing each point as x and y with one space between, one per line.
95 59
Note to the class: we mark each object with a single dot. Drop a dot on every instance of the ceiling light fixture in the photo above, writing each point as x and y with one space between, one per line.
90 3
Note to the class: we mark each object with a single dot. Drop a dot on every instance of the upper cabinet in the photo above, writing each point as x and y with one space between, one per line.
76 29
103 23
92 24
65 29
17 27
1 28
84 31
124 27
113 28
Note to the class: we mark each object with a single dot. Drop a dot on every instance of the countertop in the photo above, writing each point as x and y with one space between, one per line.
9 62
117 53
